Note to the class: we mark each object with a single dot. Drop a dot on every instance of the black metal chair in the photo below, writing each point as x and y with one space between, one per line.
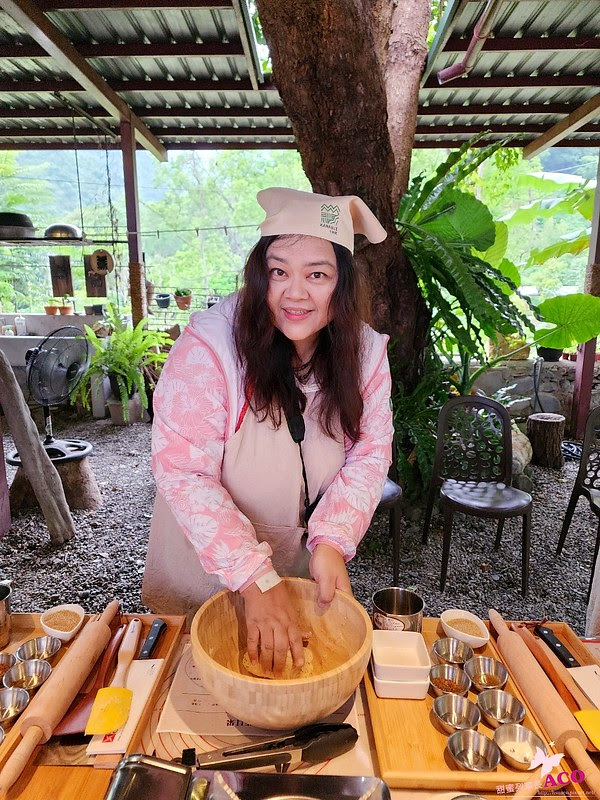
473 469
390 501
587 483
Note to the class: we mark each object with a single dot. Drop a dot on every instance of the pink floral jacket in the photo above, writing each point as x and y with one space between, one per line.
196 406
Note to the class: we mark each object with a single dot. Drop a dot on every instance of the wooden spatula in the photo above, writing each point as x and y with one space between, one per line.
76 718
111 706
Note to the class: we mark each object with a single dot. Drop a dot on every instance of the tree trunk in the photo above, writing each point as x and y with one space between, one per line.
5 520
40 470
545 432
348 73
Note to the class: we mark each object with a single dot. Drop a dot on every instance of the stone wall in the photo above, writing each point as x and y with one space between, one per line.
555 384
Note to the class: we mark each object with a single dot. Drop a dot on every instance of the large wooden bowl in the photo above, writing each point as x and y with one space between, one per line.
341 644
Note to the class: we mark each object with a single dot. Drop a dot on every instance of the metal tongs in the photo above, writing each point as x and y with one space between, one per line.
310 744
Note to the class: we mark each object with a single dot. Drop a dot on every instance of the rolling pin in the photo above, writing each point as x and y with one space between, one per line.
545 701
56 695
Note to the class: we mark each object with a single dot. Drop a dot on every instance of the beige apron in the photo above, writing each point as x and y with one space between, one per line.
262 472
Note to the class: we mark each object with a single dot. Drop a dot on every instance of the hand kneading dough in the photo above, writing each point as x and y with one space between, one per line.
289 670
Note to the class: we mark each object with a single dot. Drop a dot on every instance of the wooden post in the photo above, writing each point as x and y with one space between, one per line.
40 470
137 278
5 520
584 374
545 432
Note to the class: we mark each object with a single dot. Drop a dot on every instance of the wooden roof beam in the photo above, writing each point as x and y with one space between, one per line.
115 5
157 85
132 50
575 121
510 44
513 82
27 14
277 112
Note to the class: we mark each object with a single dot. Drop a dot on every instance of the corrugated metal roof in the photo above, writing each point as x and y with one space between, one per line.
187 71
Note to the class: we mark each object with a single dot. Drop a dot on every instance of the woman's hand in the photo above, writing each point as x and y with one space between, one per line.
272 627
328 568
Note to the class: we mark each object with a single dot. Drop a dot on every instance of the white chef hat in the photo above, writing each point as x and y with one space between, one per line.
289 211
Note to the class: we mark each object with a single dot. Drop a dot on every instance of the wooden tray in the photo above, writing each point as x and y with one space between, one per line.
61 783
411 748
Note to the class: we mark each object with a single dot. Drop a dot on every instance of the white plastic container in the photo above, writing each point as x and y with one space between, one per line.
403 690
400 656
20 325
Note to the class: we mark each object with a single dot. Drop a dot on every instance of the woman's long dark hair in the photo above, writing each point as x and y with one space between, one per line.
266 354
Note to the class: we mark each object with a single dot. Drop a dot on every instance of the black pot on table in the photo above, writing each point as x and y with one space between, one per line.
549 353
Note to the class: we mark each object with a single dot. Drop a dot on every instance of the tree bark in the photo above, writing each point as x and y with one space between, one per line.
545 432
5 520
348 73
39 468
78 481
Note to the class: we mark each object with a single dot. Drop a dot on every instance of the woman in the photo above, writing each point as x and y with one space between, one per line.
272 428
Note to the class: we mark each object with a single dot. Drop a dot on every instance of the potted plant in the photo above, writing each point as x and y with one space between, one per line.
127 357
163 299
52 307
183 298
65 306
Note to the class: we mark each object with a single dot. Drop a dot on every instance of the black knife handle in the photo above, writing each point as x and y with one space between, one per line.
330 744
556 646
150 642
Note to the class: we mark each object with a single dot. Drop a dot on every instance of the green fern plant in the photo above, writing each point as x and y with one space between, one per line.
129 358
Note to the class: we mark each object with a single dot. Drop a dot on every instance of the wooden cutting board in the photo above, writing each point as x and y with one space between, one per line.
411 748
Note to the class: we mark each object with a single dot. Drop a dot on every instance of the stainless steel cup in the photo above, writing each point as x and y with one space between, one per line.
397 609
5 593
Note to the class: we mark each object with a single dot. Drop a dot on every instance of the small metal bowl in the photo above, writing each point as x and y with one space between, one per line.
505 737
6 662
27 674
449 672
474 751
43 647
454 712
12 702
1 735
500 708
486 673
452 651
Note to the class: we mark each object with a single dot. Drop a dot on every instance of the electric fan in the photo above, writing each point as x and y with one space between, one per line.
54 368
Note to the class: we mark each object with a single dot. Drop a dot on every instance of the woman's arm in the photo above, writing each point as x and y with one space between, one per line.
345 510
188 439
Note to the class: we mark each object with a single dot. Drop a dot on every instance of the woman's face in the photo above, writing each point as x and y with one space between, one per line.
302 276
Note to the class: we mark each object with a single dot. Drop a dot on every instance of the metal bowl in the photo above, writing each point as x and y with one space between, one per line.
41 647
449 672
6 662
27 674
452 651
454 712
12 702
500 708
509 737
474 751
486 673
62 231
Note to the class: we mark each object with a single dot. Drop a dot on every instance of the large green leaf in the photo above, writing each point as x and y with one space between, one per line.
576 318
460 218
570 244
578 201
494 255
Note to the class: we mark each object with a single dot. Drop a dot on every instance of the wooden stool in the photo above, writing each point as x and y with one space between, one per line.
545 432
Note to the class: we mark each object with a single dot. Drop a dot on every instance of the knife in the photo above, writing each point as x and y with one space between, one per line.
548 636
151 640
310 744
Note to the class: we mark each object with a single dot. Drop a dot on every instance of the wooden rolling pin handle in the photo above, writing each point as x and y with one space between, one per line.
576 751
109 612
530 788
498 622
19 758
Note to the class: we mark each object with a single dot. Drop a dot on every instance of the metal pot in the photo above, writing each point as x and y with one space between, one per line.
15 226
62 231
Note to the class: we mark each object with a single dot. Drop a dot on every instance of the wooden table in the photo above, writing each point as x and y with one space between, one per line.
87 783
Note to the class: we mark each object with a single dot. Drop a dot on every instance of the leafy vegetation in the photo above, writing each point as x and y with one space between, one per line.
129 357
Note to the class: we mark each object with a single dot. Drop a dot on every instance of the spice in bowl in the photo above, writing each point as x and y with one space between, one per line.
446 685
487 679
465 626
62 620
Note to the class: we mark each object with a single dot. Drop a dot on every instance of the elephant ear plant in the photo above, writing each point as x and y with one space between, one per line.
129 357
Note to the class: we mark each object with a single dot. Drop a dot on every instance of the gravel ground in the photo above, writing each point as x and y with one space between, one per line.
106 558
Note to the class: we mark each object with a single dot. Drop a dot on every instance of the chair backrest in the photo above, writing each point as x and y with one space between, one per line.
474 441
588 475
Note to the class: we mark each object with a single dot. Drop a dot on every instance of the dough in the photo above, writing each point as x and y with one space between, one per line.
289 670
